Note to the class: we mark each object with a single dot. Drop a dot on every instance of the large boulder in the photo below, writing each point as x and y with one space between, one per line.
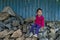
3 33
29 19
9 10
17 33
21 38
4 16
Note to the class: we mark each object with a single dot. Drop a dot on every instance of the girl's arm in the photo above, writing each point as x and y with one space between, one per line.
42 22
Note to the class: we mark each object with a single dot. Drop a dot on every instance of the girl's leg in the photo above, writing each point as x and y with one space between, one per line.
37 30
32 28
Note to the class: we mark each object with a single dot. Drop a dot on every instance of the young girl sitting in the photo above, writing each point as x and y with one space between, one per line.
39 23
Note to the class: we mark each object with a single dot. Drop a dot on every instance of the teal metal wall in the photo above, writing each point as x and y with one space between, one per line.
27 8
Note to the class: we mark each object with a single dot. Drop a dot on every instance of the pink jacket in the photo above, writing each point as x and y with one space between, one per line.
40 21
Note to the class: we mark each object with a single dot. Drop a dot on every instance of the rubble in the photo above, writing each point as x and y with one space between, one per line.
14 27
9 10
24 28
4 16
3 33
5 39
15 23
28 39
21 38
17 33
30 19
34 38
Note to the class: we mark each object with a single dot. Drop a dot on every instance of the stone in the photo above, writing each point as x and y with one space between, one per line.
7 36
52 34
28 39
9 20
4 16
20 19
58 38
20 27
21 38
11 39
15 23
24 28
34 38
1 29
10 32
2 25
43 39
17 33
9 10
14 28
3 33
8 26
51 24
5 39
30 19
51 39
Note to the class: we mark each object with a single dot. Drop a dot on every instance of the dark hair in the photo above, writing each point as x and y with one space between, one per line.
38 9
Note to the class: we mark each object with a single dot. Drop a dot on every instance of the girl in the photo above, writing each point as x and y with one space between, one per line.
39 23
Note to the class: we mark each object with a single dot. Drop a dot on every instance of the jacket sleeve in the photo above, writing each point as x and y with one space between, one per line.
42 22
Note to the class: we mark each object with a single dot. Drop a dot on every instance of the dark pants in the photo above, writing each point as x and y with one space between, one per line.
36 30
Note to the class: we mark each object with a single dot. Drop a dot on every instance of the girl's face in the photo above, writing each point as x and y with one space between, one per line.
39 13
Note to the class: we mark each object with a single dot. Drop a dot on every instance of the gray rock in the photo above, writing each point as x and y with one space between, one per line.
9 20
11 39
21 38
2 25
3 16
28 39
14 28
10 32
58 38
5 39
8 26
43 39
34 38
1 29
30 19
3 33
9 10
17 33
24 28
15 23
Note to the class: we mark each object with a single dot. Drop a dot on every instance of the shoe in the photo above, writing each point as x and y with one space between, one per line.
35 35
31 34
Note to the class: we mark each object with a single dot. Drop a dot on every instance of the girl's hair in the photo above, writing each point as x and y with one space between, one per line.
38 9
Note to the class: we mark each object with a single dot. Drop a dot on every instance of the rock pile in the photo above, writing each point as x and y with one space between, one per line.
13 27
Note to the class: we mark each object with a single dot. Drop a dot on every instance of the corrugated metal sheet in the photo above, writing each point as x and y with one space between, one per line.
27 8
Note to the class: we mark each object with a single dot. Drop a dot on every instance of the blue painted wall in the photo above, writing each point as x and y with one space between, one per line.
27 8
